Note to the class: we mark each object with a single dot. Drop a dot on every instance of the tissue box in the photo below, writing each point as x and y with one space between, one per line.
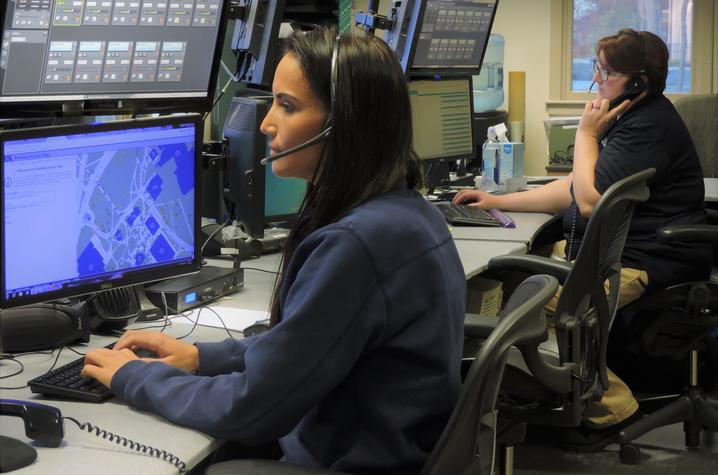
509 167
509 185
511 160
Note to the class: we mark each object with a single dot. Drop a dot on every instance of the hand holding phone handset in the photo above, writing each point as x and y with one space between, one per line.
600 114
43 424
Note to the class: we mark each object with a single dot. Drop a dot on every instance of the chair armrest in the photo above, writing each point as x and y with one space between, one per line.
532 265
479 326
689 232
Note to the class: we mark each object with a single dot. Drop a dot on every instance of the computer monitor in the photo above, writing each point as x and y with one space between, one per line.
282 197
255 196
441 38
109 56
255 41
441 114
93 207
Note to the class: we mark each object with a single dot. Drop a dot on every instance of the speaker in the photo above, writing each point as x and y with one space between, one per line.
113 309
44 326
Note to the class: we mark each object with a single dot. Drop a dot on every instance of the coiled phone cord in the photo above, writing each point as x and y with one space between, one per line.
125 442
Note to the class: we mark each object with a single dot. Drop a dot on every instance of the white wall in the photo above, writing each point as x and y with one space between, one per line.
526 27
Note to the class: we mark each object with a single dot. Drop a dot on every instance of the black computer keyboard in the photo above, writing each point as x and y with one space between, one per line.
467 215
66 381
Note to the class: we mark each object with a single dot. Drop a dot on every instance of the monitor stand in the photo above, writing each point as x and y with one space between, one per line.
465 180
241 249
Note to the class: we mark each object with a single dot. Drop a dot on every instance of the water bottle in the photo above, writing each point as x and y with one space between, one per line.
489 85
489 161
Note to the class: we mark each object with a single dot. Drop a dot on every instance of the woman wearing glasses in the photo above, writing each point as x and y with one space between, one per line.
629 127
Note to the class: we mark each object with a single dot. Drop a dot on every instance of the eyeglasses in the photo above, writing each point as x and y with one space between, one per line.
603 73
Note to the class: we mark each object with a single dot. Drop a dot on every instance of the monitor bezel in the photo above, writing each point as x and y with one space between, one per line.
404 35
147 103
130 277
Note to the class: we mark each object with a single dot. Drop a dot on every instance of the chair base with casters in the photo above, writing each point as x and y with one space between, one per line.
466 445
696 410
674 334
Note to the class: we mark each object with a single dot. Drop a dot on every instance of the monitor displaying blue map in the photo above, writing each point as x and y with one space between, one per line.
91 207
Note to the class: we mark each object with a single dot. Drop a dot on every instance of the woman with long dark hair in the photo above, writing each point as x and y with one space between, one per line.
360 369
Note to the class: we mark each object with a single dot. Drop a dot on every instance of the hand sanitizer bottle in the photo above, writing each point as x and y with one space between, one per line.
489 161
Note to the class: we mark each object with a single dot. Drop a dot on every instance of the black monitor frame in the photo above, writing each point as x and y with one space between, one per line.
244 187
99 104
246 146
256 43
130 277
403 36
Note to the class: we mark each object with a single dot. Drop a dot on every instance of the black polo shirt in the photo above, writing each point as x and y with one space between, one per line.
652 135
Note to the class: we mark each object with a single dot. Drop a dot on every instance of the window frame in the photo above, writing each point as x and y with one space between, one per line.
704 75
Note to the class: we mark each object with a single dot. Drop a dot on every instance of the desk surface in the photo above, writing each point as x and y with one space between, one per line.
83 452
475 255
711 186
528 226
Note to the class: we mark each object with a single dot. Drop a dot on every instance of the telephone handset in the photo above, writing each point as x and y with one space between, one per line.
634 87
44 425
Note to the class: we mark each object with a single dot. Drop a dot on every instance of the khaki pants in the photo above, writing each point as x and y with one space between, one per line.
617 403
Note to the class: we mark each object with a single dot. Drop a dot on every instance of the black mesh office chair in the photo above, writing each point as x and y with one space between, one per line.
676 323
551 383
466 444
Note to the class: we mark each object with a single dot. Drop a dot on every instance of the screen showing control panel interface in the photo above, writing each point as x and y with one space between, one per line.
76 50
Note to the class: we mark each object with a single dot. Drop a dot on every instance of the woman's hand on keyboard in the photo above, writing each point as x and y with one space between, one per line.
103 363
476 198
169 350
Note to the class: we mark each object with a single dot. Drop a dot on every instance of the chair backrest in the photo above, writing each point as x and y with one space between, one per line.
585 311
522 320
700 114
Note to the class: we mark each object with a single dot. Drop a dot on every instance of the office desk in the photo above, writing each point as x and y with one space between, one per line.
475 255
711 186
528 226
83 452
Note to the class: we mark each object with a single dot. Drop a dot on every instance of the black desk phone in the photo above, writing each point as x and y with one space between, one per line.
44 425
634 87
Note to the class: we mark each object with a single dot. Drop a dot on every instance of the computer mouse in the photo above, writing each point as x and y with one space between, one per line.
256 328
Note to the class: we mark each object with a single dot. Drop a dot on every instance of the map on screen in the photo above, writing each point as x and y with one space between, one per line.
89 205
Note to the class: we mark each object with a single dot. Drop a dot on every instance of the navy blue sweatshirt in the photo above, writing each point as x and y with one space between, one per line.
361 372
